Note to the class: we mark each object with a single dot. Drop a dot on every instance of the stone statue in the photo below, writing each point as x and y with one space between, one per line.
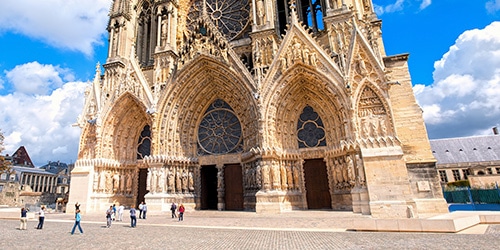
289 176
275 171
178 183
171 181
296 177
266 180
129 182
261 12
161 180
184 179
102 181
109 182
350 170
116 182
191 181
220 179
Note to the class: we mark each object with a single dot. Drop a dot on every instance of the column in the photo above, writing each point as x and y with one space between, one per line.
220 187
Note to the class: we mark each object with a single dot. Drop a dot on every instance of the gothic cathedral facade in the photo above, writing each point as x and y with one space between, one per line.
253 105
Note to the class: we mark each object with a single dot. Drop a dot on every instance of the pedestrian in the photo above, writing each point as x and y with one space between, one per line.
140 209
144 210
41 218
173 208
109 212
181 212
78 218
113 215
120 212
24 219
133 218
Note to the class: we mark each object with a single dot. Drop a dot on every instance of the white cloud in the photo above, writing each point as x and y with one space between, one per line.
35 78
463 100
397 6
42 122
425 4
58 23
493 6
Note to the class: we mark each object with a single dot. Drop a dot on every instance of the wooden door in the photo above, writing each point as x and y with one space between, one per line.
316 182
233 181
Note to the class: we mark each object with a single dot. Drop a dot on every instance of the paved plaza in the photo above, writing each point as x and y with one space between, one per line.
233 230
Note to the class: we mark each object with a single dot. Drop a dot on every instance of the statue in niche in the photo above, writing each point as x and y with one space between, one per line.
296 177
382 127
361 66
361 170
305 55
350 170
191 181
284 66
334 172
129 182
289 176
220 179
373 128
261 12
284 184
164 30
184 179
258 176
161 180
296 51
109 182
340 176
266 180
116 182
171 181
275 171
153 183
122 182
178 183
102 181
313 59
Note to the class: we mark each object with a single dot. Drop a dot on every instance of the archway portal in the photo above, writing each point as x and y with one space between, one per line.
209 188
316 178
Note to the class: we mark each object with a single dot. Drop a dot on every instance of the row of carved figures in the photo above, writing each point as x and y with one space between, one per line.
346 172
171 179
272 175
114 181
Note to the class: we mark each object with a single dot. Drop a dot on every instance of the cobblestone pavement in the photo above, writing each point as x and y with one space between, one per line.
229 230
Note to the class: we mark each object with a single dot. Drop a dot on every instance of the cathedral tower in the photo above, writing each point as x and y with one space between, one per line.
254 105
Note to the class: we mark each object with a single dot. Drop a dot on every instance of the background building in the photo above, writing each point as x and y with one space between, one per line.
476 159
253 105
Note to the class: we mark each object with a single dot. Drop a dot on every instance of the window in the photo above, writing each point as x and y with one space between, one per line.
489 170
456 174
465 173
3 176
498 170
1 188
310 13
442 175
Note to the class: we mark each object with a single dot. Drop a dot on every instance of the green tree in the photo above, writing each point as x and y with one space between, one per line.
4 164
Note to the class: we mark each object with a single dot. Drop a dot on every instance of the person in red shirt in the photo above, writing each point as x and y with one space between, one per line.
181 212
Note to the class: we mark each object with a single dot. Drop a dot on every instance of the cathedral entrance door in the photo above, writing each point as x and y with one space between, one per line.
209 187
233 182
316 180
142 185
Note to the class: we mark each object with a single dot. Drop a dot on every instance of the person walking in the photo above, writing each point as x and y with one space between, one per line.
144 210
24 219
78 218
113 215
109 212
133 218
140 209
120 212
173 208
181 212
41 218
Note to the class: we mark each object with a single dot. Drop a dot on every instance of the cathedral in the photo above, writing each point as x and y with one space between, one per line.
263 106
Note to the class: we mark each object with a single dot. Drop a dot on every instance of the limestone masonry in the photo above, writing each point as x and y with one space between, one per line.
253 105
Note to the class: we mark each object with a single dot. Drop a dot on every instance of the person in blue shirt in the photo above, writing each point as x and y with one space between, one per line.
133 218
78 217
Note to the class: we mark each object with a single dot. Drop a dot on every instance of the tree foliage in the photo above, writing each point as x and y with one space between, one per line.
4 164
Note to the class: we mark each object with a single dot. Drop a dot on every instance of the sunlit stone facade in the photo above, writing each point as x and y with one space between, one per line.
253 105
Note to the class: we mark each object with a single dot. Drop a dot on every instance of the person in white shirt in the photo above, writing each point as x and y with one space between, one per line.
140 209
120 212
41 218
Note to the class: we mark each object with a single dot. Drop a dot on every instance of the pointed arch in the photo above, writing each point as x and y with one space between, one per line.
198 85
373 113
122 127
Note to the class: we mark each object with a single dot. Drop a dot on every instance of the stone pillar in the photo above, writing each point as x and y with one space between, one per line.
81 187
221 203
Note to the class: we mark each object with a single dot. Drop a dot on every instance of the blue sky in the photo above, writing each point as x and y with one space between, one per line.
48 58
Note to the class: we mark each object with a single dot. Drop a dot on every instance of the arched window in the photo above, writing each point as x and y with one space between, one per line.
144 144
219 131
310 129
310 12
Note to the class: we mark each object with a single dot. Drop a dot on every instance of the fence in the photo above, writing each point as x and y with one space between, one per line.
473 199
